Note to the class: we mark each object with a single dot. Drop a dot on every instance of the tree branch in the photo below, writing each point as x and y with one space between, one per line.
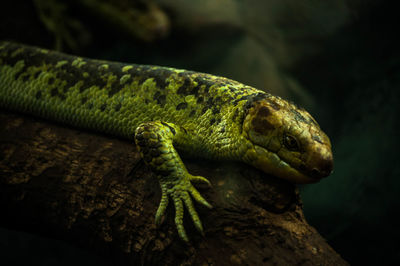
96 192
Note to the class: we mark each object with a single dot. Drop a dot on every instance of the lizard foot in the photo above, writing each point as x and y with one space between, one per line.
155 141
181 192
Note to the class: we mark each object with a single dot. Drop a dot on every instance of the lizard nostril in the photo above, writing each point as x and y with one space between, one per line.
323 169
315 173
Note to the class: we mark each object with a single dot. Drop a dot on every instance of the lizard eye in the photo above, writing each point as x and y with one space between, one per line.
290 143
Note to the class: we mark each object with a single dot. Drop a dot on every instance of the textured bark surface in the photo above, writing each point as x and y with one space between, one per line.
96 192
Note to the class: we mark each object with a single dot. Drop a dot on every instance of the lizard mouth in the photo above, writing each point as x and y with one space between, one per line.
271 163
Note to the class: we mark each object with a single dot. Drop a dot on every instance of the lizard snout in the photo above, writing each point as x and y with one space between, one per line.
322 167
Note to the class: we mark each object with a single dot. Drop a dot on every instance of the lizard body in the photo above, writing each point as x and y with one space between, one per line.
165 110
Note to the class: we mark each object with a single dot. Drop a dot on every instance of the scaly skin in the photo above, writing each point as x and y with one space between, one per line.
165 110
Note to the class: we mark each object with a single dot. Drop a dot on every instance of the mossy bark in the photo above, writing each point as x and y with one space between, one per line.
95 191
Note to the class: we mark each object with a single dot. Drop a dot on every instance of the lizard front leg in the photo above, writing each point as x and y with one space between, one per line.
155 142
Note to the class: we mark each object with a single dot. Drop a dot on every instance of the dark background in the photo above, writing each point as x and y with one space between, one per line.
339 59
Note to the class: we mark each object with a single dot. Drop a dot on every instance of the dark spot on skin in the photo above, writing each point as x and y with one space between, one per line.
205 82
103 107
251 99
212 121
83 88
36 75
84 100
244 98
195 91
171 128
181 106
299 117
38 95
185 89
146 72
53 92
69 76
235 114
160 76
115 88
18 74
261 125
274 105
118 107
65 90
160 98
181 90
161 81
263 111
317 139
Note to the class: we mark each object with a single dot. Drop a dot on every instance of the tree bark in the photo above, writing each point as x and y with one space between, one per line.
95 191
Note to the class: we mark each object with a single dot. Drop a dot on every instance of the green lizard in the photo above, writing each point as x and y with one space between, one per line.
164 110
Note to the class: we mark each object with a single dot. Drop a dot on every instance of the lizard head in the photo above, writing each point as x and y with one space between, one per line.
285 141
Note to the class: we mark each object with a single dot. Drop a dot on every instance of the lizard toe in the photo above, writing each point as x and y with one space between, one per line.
200 180
179 219
161 208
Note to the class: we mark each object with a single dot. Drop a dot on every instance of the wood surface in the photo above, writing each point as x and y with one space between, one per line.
94 191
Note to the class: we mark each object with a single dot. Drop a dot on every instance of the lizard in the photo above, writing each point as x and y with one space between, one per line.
165 110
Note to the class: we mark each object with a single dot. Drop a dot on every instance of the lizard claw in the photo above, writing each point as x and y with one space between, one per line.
161 208
182 194
200 180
